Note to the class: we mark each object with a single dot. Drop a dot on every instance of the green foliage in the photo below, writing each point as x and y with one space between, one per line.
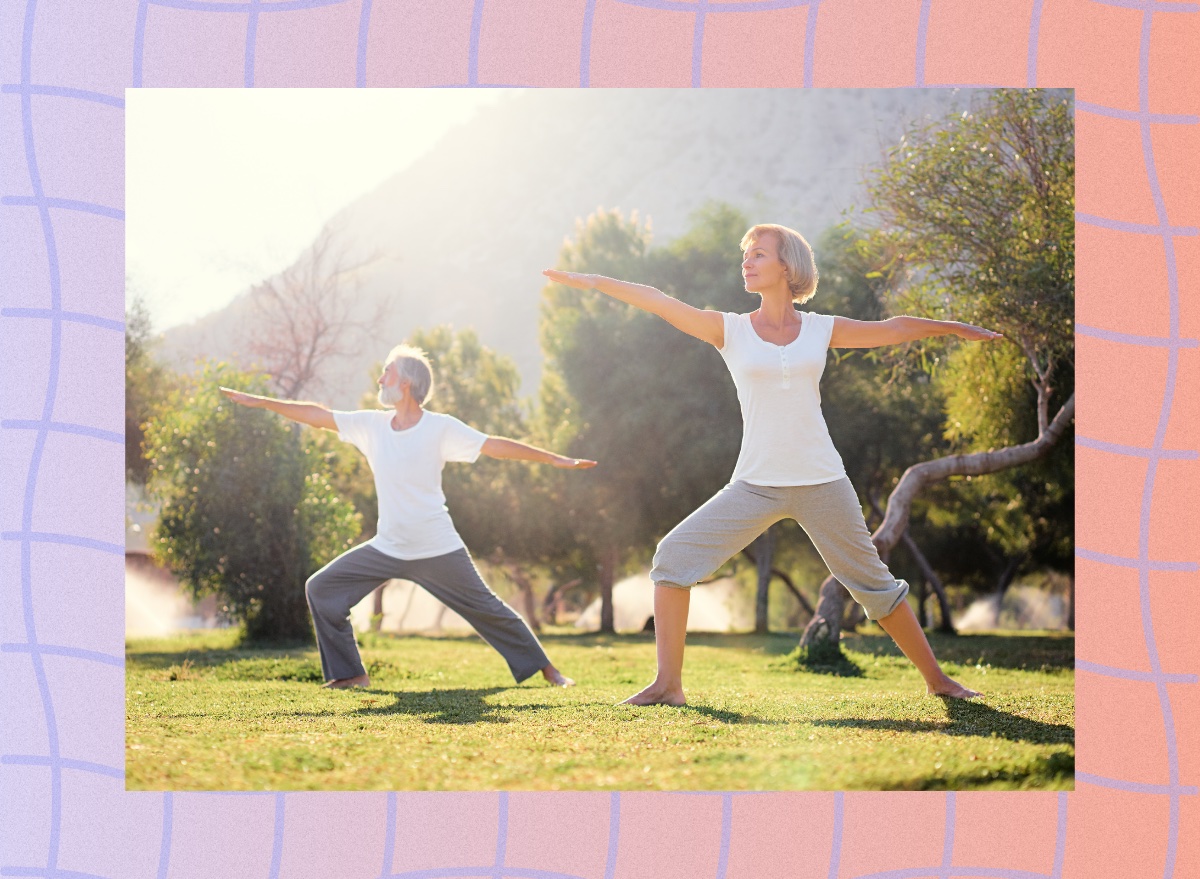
247 509
977 214
147 383
884 413
654 406
499 507
976 223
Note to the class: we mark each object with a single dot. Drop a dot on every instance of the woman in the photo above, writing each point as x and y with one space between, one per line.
787 467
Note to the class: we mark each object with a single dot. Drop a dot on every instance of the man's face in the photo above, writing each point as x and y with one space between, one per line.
391 388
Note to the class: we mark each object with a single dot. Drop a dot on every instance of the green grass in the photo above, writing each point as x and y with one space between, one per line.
442 713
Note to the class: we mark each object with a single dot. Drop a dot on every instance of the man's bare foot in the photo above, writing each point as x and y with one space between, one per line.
556 678
656 694
347 683
951 688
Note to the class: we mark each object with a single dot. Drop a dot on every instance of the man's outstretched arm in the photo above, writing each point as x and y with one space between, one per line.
500 447
312 414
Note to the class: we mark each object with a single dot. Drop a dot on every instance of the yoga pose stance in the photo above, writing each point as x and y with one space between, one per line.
787 467
406 447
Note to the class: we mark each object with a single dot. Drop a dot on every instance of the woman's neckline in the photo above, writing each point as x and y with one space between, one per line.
799 315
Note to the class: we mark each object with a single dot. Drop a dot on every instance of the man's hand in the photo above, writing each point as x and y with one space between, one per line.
578 280
976 334
564 463
243 399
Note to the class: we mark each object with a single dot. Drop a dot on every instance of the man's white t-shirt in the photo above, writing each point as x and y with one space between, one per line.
407 464
784 437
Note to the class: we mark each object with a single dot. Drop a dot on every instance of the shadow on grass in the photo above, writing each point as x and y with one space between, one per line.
1045 772
457 706
968 718
470 705
825 659
1013 651
725 716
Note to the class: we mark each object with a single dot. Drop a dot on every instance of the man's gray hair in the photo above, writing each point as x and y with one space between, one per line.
412 365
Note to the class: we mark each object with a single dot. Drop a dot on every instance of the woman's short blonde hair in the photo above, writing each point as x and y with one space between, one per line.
412 365
796 255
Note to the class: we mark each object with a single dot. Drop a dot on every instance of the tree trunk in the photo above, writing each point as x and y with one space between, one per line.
805 606
527 597
826 623
552 602
528 601
918 476
1002 583
764 550
922 611
825 627
608 572
934 581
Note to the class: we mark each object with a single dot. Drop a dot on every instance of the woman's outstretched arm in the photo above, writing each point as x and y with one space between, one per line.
515 450
849 333
312 414
706 325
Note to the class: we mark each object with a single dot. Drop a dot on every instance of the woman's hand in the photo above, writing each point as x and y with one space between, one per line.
244 399
976 334
578 280
564 463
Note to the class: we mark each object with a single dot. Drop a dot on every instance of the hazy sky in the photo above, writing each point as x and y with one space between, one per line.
224 187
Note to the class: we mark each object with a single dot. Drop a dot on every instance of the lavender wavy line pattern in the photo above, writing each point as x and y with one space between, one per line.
54 757
42 427
1164 697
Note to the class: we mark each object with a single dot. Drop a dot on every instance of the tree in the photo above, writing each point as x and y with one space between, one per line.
310 315
147 382
248 512
976 216
654 406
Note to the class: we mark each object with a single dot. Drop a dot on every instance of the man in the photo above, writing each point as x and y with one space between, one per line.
406 447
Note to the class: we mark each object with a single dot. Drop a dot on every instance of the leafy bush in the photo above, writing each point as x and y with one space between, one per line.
248 512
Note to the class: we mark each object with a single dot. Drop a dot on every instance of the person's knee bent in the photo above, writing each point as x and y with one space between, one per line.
667 568
880 603
314 589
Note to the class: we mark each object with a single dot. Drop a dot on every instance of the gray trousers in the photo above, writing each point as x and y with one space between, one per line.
829 513
452 579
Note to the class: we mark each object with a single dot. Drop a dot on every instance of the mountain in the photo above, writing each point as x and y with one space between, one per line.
464 232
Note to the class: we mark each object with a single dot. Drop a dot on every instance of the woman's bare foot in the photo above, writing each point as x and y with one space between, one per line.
657 694
347 683
952 688
556 678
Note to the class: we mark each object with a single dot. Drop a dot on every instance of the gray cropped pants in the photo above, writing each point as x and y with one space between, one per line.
829 513
452 579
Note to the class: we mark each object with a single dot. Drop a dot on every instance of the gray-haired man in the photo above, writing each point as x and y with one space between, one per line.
416 539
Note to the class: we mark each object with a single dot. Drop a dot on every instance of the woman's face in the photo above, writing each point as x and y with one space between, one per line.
762 269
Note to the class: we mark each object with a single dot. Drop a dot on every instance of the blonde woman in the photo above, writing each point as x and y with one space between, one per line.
788 466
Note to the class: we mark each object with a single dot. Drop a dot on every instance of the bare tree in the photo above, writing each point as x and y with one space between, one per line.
311 314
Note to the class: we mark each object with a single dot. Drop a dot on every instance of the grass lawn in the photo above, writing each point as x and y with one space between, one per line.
443 714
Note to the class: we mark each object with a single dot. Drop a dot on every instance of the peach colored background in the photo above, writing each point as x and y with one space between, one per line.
63 71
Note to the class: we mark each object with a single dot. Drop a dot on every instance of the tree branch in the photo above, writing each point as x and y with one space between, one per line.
918 476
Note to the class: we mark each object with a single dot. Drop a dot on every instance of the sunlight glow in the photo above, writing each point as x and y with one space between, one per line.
224 187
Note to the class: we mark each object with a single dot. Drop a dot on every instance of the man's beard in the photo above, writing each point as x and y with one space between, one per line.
390 396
